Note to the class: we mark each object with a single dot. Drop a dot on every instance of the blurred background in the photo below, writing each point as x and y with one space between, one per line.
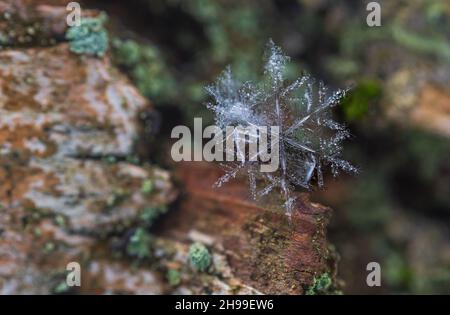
397 211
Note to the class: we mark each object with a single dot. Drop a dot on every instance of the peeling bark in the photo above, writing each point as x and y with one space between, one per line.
262 248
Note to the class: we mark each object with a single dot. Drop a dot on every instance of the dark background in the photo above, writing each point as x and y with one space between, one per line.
397 211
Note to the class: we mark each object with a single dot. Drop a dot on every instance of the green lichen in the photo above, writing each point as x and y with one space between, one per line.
140 244
150 214
60 220
173 277
4 41
61 288
147 186
146 68
116 198
38 232
322 285
356 104
49 247
89 37
199 257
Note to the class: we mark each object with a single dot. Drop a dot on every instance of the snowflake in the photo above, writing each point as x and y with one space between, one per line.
308 139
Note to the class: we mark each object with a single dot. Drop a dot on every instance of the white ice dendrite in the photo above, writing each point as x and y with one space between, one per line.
309 140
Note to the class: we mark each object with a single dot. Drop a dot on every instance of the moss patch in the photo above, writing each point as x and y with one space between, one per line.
322 285
173 277
356 105
89 37
140 244
199 257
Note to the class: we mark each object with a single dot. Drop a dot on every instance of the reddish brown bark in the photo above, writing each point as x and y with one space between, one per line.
264 249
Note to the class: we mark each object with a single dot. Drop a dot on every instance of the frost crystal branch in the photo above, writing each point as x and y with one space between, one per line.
309 140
